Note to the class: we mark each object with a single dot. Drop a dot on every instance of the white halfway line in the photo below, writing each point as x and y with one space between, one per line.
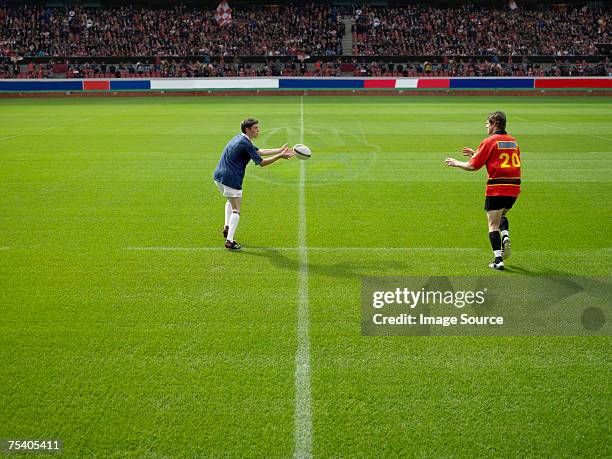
302 447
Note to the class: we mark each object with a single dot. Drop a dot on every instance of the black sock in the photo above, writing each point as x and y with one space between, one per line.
503 228
503 224
496 244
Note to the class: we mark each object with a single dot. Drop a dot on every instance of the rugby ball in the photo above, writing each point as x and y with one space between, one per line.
302 151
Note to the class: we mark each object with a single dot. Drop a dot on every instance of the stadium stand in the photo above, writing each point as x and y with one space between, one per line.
129 31
305 40
421 30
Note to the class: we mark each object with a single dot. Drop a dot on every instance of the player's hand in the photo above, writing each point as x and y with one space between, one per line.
450 162
280 150
468 152
286 153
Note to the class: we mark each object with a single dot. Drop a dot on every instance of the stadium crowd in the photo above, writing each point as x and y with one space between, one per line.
484 68
168 36
312 29
423 31
199 69
181 31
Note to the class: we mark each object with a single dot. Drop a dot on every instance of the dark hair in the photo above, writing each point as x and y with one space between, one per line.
498 119
248 123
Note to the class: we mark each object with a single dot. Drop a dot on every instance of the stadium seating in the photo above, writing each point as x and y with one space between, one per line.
188 42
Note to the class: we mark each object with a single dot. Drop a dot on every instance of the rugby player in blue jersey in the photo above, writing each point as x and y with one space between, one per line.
229 173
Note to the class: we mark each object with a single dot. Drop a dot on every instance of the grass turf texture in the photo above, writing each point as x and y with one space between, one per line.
123 352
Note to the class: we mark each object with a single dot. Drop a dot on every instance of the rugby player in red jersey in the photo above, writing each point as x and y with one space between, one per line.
501 154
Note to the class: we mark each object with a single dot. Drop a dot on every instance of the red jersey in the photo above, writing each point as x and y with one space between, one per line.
502 156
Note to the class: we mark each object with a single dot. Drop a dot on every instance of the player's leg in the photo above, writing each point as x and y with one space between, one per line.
235 203
228 206
494 219
504 227
228 214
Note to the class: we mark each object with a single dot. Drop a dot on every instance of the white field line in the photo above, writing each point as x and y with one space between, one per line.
556 126
11 137
307 249
302 447
605 251
590 253
45 129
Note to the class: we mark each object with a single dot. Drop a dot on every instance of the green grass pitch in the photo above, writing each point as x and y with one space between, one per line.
128 331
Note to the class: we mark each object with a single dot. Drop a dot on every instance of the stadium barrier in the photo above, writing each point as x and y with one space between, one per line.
305 84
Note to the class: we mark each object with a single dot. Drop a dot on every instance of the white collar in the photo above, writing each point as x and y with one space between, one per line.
246 137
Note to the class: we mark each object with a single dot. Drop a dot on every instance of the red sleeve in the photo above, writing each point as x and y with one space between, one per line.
482 154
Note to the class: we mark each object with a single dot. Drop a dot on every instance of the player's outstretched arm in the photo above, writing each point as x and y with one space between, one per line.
452 162
270 151
285 153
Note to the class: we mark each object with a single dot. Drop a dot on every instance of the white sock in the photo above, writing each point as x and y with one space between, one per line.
228 212
497 253
504 234
233 224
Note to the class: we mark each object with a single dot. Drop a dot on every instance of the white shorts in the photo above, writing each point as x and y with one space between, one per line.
227 191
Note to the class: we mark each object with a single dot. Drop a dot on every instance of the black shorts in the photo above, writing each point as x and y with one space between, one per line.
499 202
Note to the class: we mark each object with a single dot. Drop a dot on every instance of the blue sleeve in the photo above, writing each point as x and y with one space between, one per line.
252 149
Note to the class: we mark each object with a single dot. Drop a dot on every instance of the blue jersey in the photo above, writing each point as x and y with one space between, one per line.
232 165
